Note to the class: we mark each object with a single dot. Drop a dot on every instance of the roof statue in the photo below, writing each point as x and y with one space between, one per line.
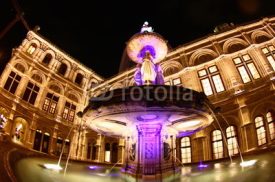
146 28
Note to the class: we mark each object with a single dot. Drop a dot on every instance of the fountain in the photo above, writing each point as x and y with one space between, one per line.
150 115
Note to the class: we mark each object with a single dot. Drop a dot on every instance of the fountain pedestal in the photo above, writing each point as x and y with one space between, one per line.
149 157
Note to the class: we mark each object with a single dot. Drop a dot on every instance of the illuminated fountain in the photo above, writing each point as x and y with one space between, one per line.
150 115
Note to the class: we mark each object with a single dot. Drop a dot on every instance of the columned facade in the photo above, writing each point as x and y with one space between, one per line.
42 88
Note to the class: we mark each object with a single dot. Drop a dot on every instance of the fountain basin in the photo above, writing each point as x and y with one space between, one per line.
117 113
149 118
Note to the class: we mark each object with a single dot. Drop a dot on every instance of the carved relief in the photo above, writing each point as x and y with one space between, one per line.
149 152
44 46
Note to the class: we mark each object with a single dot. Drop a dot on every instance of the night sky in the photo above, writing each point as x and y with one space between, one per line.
95 32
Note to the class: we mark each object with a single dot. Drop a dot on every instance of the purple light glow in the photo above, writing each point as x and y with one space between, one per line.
95 167
202 165
149 48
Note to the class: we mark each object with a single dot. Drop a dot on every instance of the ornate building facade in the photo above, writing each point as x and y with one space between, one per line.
42 89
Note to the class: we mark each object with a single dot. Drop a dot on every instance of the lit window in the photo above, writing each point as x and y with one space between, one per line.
271 48
217 144
12 82
202 72
260 129
237 60
253 70
265 50
244 74
232 143
213 69
31 93
207 86
50 103
69 111
211 80
218 83
185 150
177 81
167 83
246 57
246 68
269 53
271 61
270 117
32 48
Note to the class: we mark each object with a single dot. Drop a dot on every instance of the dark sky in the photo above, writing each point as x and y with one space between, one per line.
95 32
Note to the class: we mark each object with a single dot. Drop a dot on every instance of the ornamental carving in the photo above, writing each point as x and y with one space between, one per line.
149 152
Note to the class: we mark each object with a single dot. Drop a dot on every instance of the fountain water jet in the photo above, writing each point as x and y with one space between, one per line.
170 111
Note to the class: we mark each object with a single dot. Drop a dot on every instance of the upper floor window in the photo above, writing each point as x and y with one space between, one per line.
246 68
269 52
62 69
217 144
47 59
12 82
211 80
185 147
69 111
32 48
50 103
232 143
78 78
260 130
31 93
270 117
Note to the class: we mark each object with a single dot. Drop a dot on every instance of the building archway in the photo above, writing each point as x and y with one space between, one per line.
20 130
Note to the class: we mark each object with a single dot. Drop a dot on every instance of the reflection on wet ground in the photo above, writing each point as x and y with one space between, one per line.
258 168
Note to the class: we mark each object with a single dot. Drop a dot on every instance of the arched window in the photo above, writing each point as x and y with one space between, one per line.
47 59
270 117
114 153
67 147
32 48
107 152
46 142
185 147
78 78
91 153
260 130
217 144
62 69
59 145
231 136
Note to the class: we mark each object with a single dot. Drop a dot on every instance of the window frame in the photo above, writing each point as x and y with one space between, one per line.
245 64
218 141
51 104
31 93
270 53
235 138
189 158
259 128
209 76
69 116
12 82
